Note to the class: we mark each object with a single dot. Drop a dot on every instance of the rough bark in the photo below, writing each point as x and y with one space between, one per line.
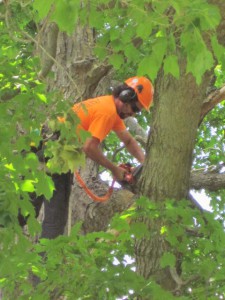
77 73
209 181
166 172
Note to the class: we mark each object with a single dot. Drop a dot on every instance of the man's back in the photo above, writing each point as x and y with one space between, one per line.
99 116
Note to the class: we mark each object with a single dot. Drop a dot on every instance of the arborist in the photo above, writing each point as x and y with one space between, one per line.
100 116
107 113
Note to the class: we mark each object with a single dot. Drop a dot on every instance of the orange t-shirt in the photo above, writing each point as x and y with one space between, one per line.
99 116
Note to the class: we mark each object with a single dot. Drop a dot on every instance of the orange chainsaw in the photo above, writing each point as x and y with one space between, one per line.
131 176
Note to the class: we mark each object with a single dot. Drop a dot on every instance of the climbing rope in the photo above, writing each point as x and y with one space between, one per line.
91 194
128 179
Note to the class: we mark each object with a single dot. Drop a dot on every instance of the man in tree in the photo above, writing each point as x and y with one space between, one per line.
98 116
106 113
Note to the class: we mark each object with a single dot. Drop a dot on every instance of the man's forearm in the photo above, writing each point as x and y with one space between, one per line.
97 155
135 150
92 150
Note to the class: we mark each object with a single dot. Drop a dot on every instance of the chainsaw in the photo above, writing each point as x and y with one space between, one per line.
130 179
131 176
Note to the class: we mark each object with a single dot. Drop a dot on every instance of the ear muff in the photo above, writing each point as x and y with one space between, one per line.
127 95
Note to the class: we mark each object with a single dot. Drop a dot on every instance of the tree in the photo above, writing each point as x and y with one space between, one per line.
177 246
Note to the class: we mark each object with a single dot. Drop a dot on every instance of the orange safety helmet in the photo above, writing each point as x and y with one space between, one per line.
143 88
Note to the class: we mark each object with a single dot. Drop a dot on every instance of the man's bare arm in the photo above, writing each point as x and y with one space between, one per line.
132 145
92 150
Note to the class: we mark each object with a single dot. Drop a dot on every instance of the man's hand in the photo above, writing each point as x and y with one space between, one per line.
92 150
119 173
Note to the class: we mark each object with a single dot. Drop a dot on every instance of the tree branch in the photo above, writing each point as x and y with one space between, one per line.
209 181
135 127
211 101
50 50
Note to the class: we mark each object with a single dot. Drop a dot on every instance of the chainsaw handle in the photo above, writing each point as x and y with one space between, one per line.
128 177
119 173
131 174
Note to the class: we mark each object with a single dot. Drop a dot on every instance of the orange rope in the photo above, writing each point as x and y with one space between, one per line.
90 193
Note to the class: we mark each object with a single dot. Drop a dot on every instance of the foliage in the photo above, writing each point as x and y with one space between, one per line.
158 35
79 267
25 106
95 266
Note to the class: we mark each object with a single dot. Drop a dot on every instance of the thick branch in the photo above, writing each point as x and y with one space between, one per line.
209 181
135 127
212 100
96 215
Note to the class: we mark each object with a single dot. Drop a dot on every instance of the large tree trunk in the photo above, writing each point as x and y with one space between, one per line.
167 170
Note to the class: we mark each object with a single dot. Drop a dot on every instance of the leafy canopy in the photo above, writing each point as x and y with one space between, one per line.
131 35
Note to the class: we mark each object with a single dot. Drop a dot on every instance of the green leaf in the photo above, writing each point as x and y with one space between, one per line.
66 14
211 17
151 64
171 66
33 226
159 49
116 60
42 97
43 7
168 259
96 19
45 185
139 230
203 61
144 30
131 52
218 49
27 186
31 161
199 58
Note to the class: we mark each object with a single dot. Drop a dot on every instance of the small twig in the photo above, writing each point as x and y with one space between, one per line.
116 152
179 282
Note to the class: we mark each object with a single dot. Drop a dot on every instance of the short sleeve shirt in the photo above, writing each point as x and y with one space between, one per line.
99 116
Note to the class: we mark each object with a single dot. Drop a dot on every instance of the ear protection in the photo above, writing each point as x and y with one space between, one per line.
127 95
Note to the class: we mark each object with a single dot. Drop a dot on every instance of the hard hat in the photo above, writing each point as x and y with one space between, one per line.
143 88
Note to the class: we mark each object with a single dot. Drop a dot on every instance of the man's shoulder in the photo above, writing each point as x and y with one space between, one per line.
100 100
107 99
103 104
